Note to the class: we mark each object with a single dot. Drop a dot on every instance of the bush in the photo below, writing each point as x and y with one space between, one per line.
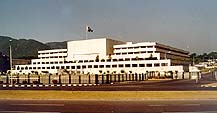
54 81
24 82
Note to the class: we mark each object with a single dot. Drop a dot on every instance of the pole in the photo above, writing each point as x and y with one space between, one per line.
11 63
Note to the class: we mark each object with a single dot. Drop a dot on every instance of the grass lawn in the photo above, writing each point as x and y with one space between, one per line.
106 95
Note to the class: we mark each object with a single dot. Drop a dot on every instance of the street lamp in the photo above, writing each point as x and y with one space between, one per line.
11 62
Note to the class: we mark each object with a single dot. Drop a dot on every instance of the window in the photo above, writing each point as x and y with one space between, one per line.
33 68
141 65
134 65
130 47
57 67
127 59
38 63
124 53
164 64
149 65
89 66
51 62
103 60
56 62
48 67
80 61
73 67
39 67
60 62
115 60
95 66
91 60
114 66
108 66
143 51
85 60
118 53
84 66
101 66
29 68
67 67
78 67
150 51
156 65
121 59
149 46
52 67
120 65
43 67
143 46
60 56
130 53
136 52
34 62
47 62
127 65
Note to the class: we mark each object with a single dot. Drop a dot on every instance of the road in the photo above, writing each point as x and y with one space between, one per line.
150 85
96 106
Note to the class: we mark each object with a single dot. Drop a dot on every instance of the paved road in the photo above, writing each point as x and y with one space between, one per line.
94 106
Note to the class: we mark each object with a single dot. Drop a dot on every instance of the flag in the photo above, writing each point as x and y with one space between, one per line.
88 29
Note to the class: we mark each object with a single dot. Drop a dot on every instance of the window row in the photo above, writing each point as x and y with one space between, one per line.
96 66
128 53
135 47
53 57
52 53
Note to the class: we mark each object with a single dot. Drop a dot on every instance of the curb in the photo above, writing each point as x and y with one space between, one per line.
47 85
208 86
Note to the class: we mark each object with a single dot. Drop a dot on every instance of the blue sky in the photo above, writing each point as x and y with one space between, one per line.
186 24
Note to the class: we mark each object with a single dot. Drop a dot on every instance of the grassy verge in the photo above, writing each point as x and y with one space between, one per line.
111 95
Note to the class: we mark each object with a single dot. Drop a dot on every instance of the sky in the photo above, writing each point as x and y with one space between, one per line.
187 24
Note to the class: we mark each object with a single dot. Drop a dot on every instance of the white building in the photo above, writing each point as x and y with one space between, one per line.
95 56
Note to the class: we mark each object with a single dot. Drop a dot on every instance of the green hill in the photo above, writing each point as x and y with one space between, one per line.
21 48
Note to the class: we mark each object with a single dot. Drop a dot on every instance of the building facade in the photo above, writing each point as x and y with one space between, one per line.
104 55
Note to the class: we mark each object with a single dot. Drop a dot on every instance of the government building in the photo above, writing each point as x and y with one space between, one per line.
108 56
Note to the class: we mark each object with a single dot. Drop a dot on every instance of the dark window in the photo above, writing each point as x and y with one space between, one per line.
101 66
150 51
57 67
108 66
121 59
47 62
136 52
60 62
130 53
51 62
127 65
141 65
73 67
118 53
156 65
89 66
164 64
149 46
95 66
34 62
39 67
29 68
84 66
103 60
143 51
38 63
78 67
91 60
48 67
85 60
33 68
43 67
127 59
124 53
56 62
115 60
143 46
80 61
114 66
149 65
120 65
52 67
67 67
134 65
